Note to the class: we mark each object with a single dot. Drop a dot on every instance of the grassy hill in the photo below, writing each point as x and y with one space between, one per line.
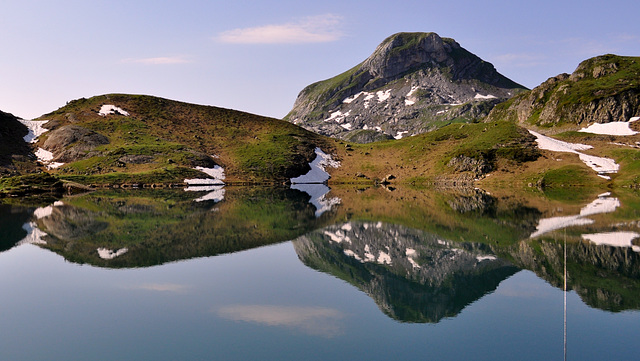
602 89
168 139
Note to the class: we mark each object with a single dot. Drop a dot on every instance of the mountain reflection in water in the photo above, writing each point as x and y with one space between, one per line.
413 276
420 255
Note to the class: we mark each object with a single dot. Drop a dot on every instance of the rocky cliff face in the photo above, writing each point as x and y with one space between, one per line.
601 90
15 154
412 276
411 84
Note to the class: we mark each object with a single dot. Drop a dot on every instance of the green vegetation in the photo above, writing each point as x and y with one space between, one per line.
570 184
158 226
36 183
176 136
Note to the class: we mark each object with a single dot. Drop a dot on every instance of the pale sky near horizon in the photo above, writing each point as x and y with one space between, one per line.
256 56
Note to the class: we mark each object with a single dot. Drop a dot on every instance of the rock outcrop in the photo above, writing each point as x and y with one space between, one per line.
16 156
411 84
601 90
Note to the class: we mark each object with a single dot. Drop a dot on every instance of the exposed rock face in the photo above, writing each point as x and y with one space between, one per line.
601 90
413 276
412 83
15 154
72 142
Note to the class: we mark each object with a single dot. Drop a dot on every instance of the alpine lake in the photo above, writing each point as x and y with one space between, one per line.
308 273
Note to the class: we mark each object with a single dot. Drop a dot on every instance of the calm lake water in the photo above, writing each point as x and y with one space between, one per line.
362 274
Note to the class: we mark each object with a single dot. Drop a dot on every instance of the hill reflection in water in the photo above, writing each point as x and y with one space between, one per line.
421 255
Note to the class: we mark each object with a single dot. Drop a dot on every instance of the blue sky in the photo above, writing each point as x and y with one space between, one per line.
256 56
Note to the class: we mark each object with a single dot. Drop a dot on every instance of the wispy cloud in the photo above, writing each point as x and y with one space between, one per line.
162 60
319 321
313 29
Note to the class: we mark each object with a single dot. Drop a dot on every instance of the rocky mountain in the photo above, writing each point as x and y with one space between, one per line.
601 90
412 83
412 275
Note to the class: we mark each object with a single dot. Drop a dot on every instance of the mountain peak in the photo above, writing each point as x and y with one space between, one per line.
412 83
403 52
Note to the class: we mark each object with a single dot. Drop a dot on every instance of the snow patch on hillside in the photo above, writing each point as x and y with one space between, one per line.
383 95
612 128
401 134
215 192
599 164
108 109
614 239
484 97
603 204
109 254
34 234
216 173
35 129
46 157
338 116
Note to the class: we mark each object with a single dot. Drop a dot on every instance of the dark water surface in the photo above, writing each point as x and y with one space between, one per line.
260 273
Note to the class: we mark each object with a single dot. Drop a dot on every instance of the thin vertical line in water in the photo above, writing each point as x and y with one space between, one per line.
565 295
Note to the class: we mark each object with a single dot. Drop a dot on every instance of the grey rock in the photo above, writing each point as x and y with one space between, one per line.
412 83
72 142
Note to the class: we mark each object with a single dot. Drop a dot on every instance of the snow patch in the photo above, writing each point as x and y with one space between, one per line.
399 135
383 95
346 126
34 235
46 157
35 129
384 258
612 128
486 258
338 116
408 102
599 164
42 212
351 253
603 204
614 239
480 96
109 254
319 199
216 173
413 90
338 237
350 99
216 192
111 109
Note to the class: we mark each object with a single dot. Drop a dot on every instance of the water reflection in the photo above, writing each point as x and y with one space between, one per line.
421 255
319 321
412 275
150 227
